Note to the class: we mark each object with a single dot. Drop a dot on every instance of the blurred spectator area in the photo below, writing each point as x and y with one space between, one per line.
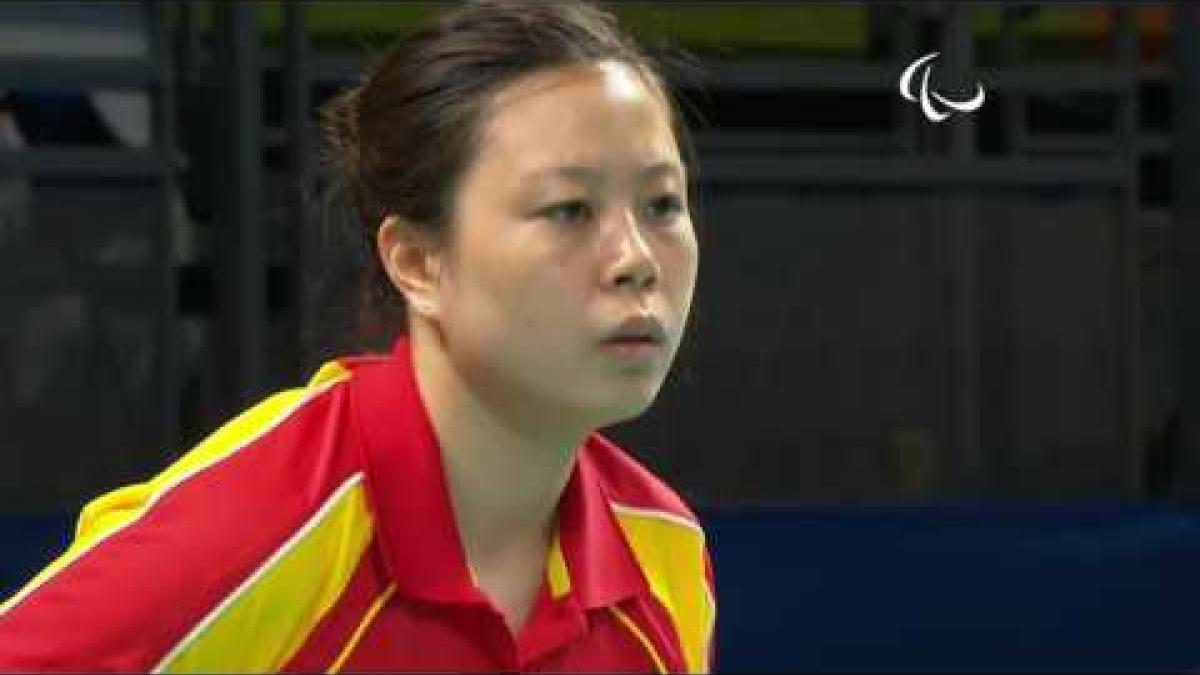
80 248
888 309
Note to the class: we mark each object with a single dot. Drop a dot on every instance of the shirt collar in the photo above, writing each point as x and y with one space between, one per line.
415 521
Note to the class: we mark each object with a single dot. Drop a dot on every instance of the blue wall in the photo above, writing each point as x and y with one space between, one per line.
1099 587
1078 587
29 542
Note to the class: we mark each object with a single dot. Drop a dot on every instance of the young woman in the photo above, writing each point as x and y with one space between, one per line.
516 170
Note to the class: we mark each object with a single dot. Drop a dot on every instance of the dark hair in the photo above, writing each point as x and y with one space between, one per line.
399 142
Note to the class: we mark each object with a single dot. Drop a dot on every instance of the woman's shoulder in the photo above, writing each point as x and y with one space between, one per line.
286 438
270 497
248 484
279 429
632 487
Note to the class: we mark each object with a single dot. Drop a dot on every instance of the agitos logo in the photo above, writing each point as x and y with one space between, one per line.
927 97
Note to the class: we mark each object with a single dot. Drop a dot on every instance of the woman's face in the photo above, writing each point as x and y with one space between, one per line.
572 222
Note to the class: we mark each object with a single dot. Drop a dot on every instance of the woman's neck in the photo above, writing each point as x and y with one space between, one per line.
506 468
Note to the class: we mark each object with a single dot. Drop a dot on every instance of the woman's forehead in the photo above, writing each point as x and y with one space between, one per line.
617 81
573 115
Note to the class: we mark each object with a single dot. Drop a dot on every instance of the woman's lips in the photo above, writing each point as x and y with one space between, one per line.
638 338
639 327
633 348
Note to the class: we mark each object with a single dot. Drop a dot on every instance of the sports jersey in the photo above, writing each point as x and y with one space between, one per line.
315 532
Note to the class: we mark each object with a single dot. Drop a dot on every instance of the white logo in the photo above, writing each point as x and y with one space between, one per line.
932 113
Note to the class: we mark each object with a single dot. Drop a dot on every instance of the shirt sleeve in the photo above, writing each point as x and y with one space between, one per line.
150 562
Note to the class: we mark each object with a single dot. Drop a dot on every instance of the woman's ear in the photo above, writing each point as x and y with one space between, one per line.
410 262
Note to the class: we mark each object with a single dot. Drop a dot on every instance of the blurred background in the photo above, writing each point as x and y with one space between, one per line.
937 406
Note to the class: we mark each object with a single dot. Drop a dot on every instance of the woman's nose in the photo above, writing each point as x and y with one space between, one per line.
633 265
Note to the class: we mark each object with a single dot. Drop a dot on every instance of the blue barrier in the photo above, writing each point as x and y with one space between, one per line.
929 588
30 542
953 588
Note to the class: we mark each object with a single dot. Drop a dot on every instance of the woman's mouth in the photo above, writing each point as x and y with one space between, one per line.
637 338
634 348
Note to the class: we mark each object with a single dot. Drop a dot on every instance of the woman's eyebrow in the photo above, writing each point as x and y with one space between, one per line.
587 174
582 174
661 168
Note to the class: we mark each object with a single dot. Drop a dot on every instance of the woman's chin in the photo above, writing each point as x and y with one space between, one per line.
626 406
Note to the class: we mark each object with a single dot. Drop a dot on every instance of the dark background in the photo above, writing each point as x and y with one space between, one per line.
938 386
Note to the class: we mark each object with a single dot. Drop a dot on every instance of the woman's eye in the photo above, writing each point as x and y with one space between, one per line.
664 207
568 212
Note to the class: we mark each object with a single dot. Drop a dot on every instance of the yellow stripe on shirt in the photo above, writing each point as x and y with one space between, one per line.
632 627
557 576
670 551
356 637
259 627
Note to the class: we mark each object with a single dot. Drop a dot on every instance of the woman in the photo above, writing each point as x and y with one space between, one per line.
516 169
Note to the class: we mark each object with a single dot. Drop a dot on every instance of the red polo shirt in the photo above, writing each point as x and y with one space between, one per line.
315 532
